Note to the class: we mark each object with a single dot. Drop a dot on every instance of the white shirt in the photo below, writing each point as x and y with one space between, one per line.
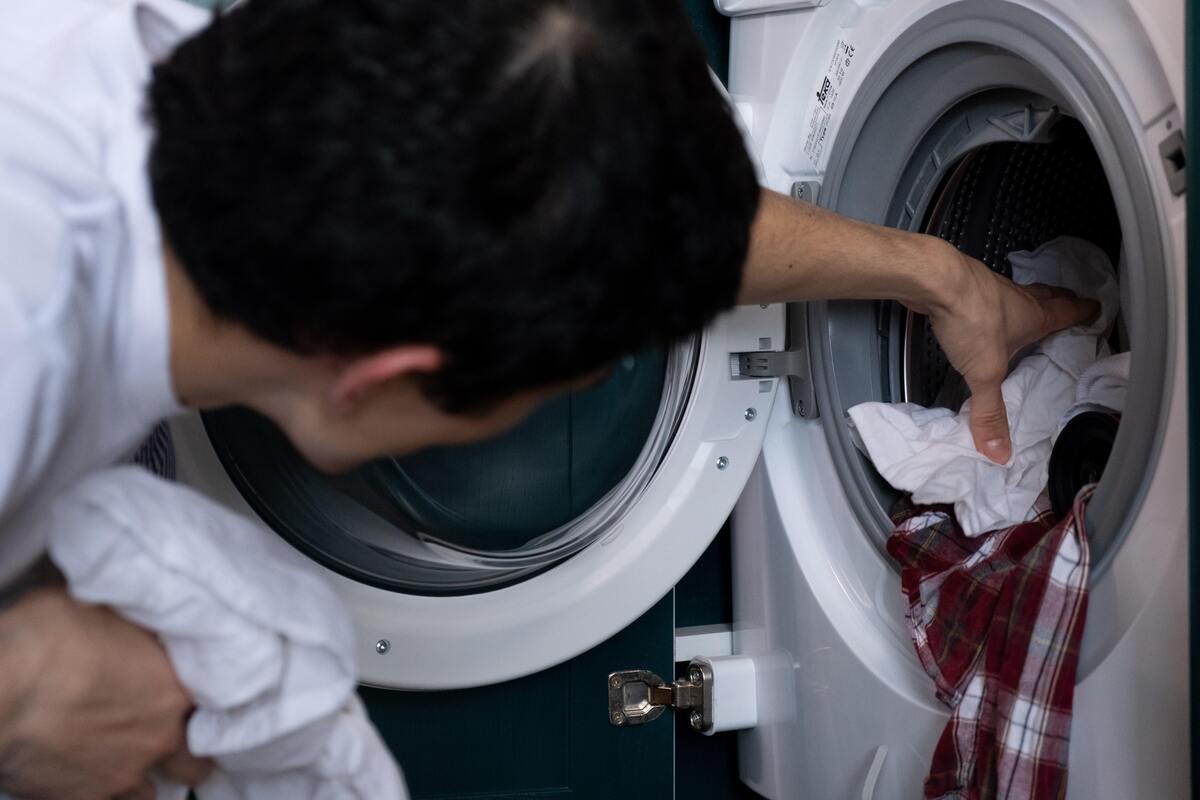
84 328
84 375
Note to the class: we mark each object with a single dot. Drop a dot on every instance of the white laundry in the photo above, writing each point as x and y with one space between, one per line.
1101 388
258 638
930 452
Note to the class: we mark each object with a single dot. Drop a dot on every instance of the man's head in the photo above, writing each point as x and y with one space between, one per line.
487 199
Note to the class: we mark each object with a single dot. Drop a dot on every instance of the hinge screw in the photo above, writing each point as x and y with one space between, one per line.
618 718
695 675
751 414
722 462
615 683
696 719
383 646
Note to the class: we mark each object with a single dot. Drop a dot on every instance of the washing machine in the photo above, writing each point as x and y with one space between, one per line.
474 565
996 125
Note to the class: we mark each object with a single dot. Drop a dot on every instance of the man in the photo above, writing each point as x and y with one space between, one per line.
384 225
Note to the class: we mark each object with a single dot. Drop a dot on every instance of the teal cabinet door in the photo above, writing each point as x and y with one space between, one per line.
546 736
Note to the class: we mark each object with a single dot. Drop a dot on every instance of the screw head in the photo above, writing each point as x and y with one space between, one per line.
751 414
695 675
383 646
618 718
696 719
615 683
722 462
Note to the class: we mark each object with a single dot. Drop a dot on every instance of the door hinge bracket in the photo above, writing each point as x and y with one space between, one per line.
638 696
792 363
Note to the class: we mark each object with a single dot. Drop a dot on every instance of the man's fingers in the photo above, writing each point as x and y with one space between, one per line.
989 422
1061 308
1044 291
143 792
183 767
1064 312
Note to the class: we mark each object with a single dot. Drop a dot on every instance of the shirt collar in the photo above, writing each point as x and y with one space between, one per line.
163 24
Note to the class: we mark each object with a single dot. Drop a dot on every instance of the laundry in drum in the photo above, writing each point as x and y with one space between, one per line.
929 451
997 587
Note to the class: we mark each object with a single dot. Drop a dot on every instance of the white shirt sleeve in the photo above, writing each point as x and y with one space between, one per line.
52 349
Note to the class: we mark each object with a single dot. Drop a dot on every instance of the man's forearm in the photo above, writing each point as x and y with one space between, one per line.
802 252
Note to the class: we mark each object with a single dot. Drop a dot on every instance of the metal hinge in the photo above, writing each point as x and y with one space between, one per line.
792 363
637 696
807 191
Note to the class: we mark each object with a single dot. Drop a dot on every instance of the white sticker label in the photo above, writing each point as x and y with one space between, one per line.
829 93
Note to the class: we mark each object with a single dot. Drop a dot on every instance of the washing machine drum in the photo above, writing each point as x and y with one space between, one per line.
469 518
994 199
1000 199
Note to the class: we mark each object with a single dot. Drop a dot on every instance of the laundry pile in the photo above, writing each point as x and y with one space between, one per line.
994 578
929 452
997 620
256 635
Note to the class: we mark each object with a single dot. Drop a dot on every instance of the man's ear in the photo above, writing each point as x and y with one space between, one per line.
362 376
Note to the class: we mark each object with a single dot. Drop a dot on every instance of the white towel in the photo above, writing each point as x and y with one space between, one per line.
930 452
256 635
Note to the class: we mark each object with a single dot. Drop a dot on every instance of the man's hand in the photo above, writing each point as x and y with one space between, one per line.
89 704
801 252
981 320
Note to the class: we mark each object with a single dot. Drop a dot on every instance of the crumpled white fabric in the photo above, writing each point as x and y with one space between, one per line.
1102 387
929 452
256 635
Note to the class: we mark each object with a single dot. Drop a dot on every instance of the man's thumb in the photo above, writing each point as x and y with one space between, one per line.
989 423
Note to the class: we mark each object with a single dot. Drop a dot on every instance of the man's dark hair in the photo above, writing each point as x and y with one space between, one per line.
535 186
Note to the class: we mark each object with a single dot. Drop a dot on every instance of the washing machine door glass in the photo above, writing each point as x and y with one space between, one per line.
462 519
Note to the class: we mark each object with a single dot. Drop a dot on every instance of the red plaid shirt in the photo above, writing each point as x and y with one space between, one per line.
997 622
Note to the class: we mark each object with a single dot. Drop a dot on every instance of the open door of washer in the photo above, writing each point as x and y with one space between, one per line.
473 565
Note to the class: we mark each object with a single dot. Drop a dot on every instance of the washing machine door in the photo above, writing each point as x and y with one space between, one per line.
472 565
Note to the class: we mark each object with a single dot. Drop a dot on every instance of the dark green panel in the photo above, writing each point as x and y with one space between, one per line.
1193 288
545 736
714 33
705 594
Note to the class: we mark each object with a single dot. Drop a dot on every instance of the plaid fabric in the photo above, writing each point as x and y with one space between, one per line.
997 620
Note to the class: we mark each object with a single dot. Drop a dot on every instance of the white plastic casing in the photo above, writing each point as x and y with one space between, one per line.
734 693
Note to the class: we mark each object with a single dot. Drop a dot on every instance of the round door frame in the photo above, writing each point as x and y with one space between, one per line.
854 584
418 642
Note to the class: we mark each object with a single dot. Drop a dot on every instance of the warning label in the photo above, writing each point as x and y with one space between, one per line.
828 94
